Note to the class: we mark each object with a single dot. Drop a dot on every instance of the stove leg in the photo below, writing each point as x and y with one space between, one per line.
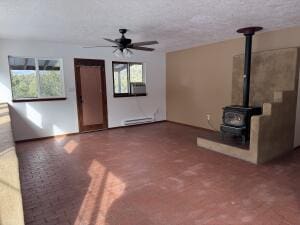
243 139
222 135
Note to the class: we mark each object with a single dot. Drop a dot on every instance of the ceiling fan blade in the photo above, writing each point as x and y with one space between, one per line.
144 43
141 48
110 40
99 46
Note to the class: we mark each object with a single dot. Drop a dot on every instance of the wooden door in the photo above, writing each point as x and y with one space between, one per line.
91 94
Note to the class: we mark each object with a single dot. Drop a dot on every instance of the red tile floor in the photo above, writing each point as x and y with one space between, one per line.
152 174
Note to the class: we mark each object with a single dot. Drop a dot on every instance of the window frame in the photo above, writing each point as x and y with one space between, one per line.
37 70
129 94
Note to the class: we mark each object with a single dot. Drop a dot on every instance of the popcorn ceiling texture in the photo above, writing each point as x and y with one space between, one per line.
176 24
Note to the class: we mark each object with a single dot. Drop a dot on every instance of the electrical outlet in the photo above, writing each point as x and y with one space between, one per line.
208 117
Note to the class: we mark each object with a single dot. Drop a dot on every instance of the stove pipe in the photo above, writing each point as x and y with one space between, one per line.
248 32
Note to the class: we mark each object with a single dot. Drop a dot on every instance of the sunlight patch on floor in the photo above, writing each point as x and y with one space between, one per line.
60 138
98 198
70 146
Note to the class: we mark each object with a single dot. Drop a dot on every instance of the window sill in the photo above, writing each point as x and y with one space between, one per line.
39 99
129 95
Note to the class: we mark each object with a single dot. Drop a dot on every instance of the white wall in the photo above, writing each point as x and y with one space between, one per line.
40 119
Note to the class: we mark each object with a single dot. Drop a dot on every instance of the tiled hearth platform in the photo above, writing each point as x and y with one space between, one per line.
228 146
231 146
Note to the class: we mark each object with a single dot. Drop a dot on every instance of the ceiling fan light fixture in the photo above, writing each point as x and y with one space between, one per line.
127 53
117 52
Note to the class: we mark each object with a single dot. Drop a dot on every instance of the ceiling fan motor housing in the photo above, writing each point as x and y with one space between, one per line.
123 41
123 31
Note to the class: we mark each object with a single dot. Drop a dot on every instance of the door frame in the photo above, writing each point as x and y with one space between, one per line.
90 62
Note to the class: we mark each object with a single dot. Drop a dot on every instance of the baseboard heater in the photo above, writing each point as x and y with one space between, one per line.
138 121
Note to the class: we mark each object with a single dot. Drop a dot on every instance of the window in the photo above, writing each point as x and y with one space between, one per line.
129 79
36 79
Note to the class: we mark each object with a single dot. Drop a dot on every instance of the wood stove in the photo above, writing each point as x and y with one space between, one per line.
237 119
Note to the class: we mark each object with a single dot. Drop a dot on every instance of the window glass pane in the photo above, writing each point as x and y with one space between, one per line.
120 78
24 84
23 77
136 73
117 88
51 81
18 63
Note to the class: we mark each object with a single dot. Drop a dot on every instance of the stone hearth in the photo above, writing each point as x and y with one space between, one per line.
274 85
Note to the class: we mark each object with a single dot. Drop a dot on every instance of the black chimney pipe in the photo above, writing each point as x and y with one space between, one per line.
248 32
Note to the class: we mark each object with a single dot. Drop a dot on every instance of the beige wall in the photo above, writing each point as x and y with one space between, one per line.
199 80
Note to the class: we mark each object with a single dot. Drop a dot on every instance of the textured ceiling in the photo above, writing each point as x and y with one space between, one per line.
176 24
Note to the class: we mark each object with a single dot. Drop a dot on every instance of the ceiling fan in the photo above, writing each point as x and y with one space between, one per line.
123 45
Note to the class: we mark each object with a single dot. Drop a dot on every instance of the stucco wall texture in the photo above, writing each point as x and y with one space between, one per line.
274 85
